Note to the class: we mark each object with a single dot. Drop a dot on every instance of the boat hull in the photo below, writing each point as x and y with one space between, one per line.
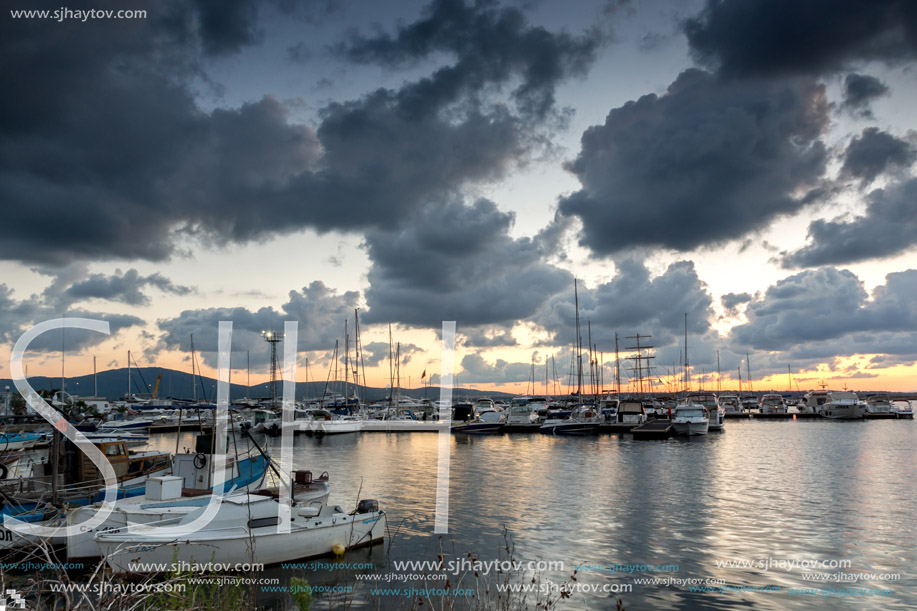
691 428
308 538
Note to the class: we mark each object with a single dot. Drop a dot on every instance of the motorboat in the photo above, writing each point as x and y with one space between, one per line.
523 413
842 405
690 419
630 413
749 403
903 409
10 442
731 404
878 404
715 414
464 420
583 420
265 421
246 528
772 404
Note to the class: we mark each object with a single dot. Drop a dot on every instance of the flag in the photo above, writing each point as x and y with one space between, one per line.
424 374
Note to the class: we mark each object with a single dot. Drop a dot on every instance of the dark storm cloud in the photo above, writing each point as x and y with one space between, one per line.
786 36
888 228
320 311
105 137
707 162
873 152
859 92
632 302
17 316
491 44
122 287
457 262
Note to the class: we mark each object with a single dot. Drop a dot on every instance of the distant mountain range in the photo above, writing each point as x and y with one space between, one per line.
113 384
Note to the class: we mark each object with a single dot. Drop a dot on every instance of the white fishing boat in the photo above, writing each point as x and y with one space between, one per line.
245 529
842 405
772 404
265 421
903 409
690 419
168 498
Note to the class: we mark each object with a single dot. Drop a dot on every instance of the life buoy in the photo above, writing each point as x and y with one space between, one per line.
4 471
200 460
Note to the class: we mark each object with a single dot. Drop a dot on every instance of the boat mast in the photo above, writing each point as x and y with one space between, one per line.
748 367
719 383
95 379
391 368
617 368
579 347
687 377
346 364
193 372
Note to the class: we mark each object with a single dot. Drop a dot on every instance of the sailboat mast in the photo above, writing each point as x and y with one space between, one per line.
95 379
748 367
346 364
193 372
719 385
617 368
579 345
687 377
391 368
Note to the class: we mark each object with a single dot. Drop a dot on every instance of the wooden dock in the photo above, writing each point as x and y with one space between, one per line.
654 429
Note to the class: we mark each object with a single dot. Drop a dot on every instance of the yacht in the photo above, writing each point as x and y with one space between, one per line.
878 404
690 419
730 404
715 414
630 413
772 404
583 420
842 405
523 413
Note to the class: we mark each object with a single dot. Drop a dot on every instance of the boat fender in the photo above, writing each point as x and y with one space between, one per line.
338 549
200 460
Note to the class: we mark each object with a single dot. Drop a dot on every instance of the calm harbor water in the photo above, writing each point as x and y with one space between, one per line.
776 492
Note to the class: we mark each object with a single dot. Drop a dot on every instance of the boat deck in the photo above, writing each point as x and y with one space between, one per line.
654 429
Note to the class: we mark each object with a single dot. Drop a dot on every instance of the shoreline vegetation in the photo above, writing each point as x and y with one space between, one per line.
96 588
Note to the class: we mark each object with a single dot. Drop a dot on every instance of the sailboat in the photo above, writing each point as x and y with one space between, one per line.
583 419
690 417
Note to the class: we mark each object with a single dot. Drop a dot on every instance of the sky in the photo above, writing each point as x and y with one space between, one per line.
737 175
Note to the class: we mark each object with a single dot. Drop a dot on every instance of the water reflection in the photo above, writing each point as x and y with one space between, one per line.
782 490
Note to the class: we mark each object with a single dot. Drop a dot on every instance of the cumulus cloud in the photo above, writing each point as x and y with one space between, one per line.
888 227
875 152
707 162
827 312
457 262
18 315
320 311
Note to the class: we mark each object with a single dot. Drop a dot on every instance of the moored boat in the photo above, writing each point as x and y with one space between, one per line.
246 527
